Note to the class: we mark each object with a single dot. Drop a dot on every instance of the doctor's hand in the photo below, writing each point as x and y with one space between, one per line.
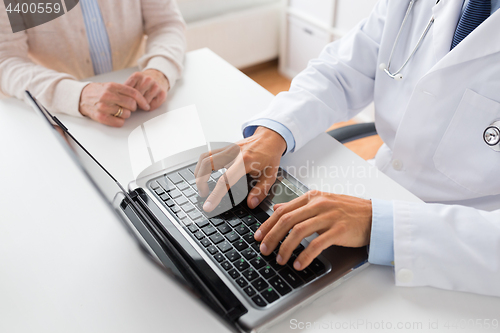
338 219
102 102
258 155
152 84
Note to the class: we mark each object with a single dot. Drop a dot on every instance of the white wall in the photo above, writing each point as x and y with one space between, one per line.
242 32
311 24
350 12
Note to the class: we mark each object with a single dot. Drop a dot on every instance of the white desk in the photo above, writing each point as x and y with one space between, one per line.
66 265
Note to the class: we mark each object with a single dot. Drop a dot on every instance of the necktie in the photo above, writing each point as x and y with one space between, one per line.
474 14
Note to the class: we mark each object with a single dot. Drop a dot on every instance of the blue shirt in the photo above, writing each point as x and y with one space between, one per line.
382 235
99 46
275 126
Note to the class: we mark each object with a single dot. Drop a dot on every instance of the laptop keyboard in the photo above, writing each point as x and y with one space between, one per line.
229 240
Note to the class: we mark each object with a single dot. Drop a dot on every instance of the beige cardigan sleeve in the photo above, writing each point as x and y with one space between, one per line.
166 42
58 92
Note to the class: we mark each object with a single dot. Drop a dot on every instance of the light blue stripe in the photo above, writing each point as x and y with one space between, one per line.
100 48
381 250
103 41
98 30
275 126
99 27
95 51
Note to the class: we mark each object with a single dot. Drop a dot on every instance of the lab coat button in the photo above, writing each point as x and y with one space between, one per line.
405 275
397 165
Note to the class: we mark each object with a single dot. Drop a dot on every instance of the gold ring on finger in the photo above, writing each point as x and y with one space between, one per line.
119 113
212 163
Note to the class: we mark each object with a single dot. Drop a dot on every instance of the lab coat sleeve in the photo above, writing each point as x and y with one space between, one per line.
447 246
166 43
334 87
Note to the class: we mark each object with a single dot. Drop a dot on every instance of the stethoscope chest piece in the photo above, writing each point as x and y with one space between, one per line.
491 136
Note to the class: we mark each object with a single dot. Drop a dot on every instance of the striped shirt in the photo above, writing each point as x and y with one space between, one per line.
99 46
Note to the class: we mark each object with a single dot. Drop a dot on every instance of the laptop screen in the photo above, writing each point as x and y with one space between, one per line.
109 188
102 180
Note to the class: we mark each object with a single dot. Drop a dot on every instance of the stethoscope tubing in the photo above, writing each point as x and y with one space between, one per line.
492 131
386 68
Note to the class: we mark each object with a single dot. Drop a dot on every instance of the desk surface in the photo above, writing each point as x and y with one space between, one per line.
67 265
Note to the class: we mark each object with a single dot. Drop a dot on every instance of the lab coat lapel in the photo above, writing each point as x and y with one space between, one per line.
446 15
483 41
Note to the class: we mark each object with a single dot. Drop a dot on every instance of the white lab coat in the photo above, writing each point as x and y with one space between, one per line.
432 123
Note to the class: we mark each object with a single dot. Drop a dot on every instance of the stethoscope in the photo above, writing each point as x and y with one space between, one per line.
491 136
386 68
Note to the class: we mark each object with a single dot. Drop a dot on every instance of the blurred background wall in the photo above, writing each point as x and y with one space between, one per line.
271 40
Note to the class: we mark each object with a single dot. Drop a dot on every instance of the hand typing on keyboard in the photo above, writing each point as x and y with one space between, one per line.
228 237
338 219
258 155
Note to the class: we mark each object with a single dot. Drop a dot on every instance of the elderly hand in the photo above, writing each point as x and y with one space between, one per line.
338 219
151 84
102 101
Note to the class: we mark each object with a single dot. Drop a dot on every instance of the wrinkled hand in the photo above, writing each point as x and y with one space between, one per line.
338 219
100 101
151 84
258 155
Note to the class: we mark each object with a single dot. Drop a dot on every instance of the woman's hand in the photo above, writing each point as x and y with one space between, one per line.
151 84
101 101
338 219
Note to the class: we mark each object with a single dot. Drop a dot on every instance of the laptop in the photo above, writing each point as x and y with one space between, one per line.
214 256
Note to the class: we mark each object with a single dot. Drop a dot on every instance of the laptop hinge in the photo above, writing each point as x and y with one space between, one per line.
194 269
